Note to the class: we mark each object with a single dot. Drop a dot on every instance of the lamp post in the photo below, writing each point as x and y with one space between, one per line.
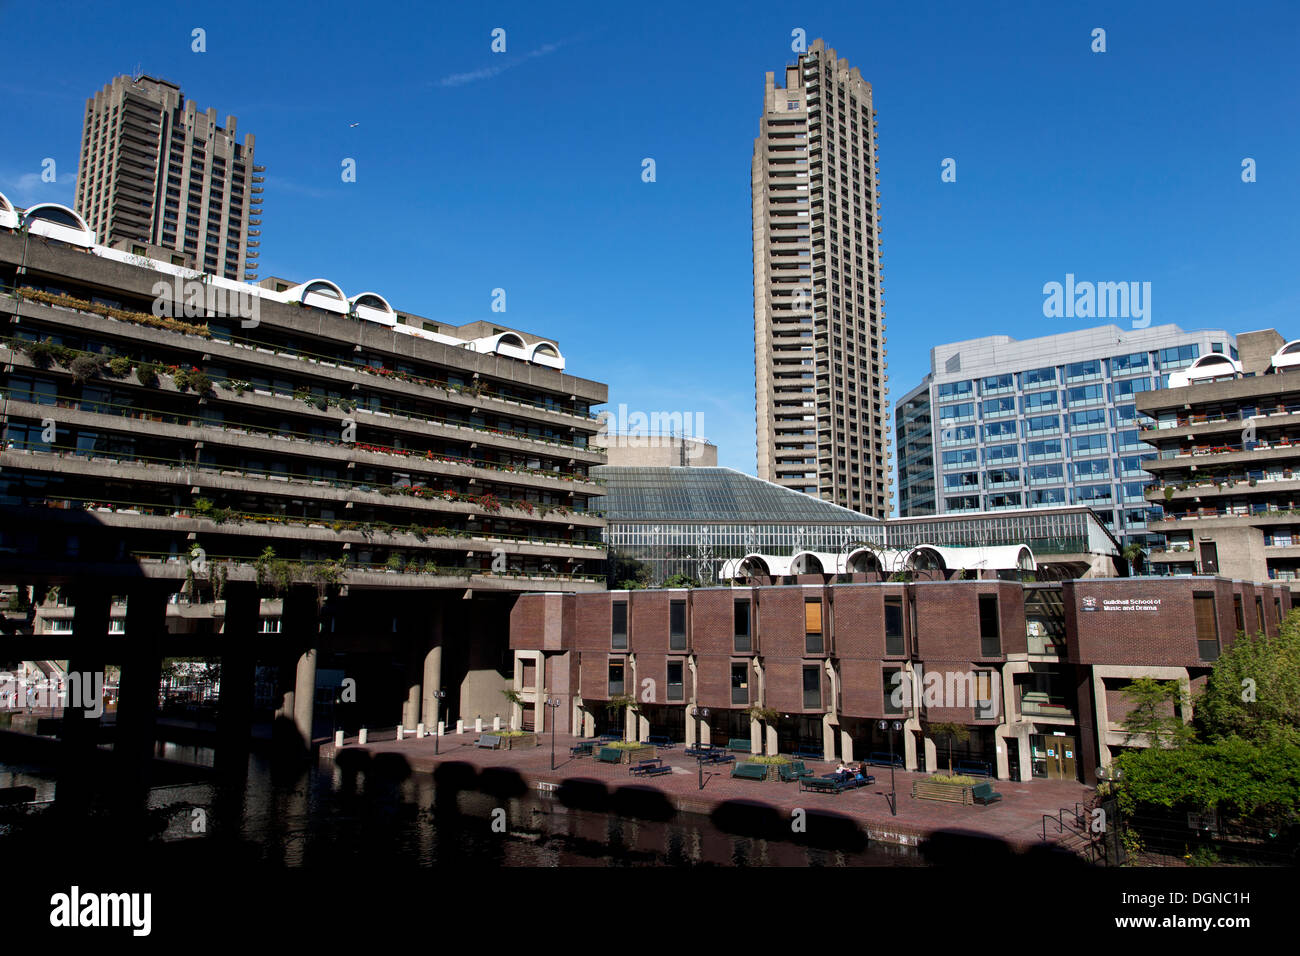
439 696
1113 776
891 729
554 704
699 712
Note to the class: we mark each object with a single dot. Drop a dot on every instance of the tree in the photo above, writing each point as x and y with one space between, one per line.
1254 690
628 574
765 716
1155 715
1136 557
953 731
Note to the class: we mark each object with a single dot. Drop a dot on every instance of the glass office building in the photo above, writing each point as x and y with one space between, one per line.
1000 424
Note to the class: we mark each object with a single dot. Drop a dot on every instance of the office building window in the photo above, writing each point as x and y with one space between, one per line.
740 683
618 626
990 634
812 626
894 626
615 678
676 683
743 644
812 688
677 625
895 694
1207 627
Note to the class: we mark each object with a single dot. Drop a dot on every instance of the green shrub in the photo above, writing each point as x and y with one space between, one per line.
119 366
146 373
955 778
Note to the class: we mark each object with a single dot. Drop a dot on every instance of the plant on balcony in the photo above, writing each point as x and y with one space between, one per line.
394 563
192 379
146 373
46 352
119 366
85 367
1169 492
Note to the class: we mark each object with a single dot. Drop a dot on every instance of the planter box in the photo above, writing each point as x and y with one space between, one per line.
519 743
635 754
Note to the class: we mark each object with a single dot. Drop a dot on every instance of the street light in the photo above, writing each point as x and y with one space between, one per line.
699 712
897 725
439 696
1113 776
554 704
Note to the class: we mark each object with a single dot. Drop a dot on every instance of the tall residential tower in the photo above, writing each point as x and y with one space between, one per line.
156 170
819 346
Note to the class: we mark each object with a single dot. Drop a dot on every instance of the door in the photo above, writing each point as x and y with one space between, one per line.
1209 558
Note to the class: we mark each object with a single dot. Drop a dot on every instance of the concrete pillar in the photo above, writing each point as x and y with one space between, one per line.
643 728
773 741
411 706
706 734
77 765
304 695
828 737
137 713
588 724
931 755
755 736
430 705
909 748
690 725
238 674
846 745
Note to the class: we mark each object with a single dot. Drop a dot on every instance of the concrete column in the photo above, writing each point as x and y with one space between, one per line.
755 736
588 724
432 682
643 728
238 673
706 734
909 748
828 737
304 695
137 714
773 742
846 745
77 765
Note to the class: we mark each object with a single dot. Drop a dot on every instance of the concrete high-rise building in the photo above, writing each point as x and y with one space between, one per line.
819 334
1000 424
154 169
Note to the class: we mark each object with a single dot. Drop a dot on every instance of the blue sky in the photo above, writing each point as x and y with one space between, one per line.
522 170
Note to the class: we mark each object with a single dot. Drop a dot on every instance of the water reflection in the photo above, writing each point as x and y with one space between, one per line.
331 816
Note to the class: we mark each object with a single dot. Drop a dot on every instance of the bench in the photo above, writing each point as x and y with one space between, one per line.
582 750
945 792
719 757
795 770
883 759
665 742
656 771
699 751
645 765
985 794
821 784
609 738
974 768
749 771
490 741
812 753
610 755
740 744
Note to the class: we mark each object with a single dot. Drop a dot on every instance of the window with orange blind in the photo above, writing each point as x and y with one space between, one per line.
812 626
1207 627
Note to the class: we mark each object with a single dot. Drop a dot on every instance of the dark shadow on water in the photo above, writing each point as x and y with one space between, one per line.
642 803
390 766
745 818
969 848
579 794
501 782
827 830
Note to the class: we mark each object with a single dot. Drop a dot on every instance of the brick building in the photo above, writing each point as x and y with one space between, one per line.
1035 670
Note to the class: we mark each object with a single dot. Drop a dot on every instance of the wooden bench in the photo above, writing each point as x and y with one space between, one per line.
984 794
794 770
582 750
490 741
945 792
610 755
740 744
749 771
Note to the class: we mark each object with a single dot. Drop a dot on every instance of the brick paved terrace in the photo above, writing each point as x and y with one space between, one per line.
1016 821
